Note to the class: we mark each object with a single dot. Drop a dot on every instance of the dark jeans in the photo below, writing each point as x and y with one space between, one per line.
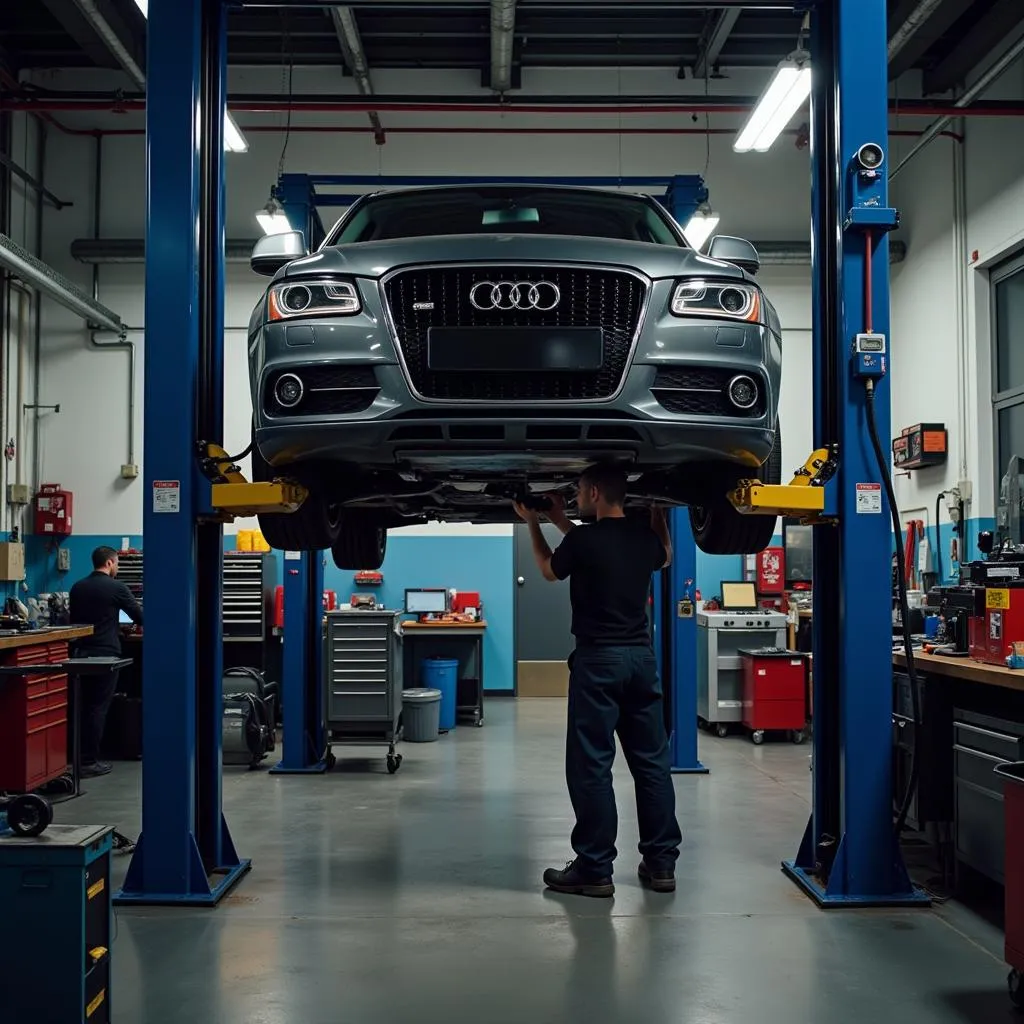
96 693
616 690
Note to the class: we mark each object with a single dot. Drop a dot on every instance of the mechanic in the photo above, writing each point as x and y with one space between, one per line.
96 601
613 682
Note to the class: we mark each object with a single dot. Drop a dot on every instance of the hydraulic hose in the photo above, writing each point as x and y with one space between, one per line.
901 587
938 534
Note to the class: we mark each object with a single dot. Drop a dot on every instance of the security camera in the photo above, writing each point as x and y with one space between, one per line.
870 156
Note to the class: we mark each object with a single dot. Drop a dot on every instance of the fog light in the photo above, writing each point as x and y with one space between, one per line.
743 392
296 298
288 390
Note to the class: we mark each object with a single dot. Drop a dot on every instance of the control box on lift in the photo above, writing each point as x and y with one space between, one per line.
53 511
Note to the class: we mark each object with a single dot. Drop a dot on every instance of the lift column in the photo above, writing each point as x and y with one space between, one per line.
185 853
849 855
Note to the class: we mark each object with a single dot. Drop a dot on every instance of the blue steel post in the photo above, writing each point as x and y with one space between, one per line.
304 742
185 854
849 855
681 611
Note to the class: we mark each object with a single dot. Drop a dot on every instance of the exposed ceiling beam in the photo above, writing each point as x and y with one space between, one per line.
915 45
991 37
503 37
106 23
716 32
71 18
352 52
914 19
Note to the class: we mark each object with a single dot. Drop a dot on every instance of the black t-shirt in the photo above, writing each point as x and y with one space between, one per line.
609 566
96 601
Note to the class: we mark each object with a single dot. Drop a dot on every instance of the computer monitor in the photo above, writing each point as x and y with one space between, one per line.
122 617
426 602
798 542
739 596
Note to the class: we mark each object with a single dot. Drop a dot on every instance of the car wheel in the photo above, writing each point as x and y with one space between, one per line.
311 527
719 529
362 540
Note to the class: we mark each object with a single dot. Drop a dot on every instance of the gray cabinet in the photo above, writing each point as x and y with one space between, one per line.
363 674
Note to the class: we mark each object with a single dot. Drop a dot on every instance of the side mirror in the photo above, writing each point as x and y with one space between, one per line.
737 251
272 252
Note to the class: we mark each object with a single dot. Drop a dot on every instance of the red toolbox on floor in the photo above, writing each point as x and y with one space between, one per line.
33 721
1013 805
775 692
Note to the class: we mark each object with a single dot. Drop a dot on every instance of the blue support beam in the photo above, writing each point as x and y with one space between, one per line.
849 855
185 854
304 740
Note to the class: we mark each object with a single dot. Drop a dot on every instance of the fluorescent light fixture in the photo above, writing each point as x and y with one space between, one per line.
234 140
701 226
785 95
272 218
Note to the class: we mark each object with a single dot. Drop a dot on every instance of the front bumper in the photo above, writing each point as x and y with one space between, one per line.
398 427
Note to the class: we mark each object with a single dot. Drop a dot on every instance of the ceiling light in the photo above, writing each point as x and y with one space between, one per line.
785 95
701 226
273 219
234 140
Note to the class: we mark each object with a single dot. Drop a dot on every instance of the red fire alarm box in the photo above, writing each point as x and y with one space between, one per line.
771 571
53 511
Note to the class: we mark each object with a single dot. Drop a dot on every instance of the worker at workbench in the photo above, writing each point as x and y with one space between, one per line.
97 601
613 682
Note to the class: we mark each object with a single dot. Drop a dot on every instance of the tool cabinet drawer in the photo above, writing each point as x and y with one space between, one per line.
992 738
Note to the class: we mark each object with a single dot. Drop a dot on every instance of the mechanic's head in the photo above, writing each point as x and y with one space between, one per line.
601 485
104 559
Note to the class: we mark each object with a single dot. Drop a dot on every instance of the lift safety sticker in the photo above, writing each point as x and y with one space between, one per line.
997 598
166 495
869 499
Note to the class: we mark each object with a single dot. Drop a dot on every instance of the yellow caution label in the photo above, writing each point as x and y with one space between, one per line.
96 888
997 599
96 1003
97 954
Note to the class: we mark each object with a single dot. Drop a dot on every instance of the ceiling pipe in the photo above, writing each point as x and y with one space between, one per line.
238 250
913 21
110 38
352 52
503 36
39 275
961 107
715 36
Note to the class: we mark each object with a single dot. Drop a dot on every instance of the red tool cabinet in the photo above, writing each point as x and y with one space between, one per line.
33 720
775 693
1013 805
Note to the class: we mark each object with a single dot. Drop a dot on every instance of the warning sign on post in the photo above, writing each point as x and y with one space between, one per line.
869 499
166 495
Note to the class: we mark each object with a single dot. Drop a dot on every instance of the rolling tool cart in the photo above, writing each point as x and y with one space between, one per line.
1013 803
775 693
363 680
56 925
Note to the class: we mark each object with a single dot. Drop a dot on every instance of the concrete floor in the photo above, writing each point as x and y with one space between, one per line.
417 898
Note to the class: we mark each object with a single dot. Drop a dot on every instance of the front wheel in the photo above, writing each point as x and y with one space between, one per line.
361 542
719 529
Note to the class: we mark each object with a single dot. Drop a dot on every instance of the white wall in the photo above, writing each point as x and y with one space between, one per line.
92 386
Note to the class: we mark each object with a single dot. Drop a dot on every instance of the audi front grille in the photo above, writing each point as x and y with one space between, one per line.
422 298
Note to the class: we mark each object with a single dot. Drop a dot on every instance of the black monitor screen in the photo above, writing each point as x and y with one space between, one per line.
799 543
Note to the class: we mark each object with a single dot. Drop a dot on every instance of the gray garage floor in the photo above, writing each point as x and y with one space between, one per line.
416 898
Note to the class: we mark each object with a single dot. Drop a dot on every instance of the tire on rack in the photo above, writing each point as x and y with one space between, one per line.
29 815
313 526
361 541
719 529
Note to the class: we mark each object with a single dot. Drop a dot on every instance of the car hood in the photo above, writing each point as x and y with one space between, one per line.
376 259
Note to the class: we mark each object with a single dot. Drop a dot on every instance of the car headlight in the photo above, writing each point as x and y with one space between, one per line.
292 299
721 299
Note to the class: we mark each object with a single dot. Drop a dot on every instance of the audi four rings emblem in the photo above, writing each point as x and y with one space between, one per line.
506 296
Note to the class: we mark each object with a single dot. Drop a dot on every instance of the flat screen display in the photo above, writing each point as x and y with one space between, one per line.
426 602
799 544
738 596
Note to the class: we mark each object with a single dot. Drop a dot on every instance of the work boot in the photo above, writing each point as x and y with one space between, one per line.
574 883
91 771
656 881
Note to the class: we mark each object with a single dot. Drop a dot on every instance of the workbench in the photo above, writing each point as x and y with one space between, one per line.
972 720
461 641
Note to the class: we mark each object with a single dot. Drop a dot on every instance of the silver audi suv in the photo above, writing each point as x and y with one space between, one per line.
447 350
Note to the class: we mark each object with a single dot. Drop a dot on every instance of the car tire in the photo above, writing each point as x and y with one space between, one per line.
719 529
362 541
313 526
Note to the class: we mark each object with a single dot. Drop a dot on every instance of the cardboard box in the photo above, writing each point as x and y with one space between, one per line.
12 560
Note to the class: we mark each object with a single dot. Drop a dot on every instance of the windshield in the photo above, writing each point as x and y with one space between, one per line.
505 211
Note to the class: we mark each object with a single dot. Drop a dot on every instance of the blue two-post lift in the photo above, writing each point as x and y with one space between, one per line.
849 855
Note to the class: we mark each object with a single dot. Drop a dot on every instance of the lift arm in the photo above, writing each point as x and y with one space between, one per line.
802 498
234 496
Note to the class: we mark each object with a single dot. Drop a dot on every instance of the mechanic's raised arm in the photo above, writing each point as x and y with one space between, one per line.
556 513
541 548
659 524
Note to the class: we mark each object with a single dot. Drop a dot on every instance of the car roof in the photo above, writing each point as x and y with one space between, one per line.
525 186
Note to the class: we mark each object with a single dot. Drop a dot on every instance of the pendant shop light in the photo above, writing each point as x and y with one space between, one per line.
786 94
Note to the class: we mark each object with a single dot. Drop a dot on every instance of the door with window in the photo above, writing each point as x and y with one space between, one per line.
1008 363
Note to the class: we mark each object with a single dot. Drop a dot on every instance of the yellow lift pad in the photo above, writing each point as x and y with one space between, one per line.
250 499
802 498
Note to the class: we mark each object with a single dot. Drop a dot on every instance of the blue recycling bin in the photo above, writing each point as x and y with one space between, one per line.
443 674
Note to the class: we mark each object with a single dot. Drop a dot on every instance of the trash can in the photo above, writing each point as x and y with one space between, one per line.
421 711
1013 805
443 674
